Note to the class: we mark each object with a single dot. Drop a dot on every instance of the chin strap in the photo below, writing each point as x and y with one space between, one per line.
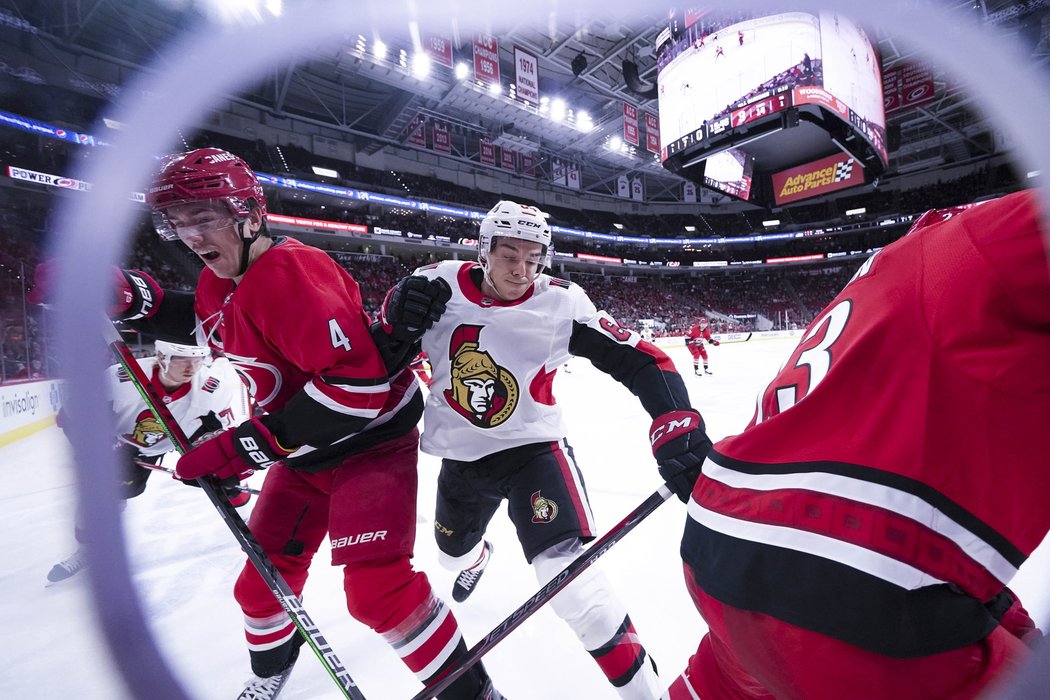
247 246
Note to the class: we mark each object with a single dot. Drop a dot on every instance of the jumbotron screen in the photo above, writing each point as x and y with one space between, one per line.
730 172
720 73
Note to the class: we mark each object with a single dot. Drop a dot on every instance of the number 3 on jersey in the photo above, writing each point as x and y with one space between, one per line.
799 378
339 339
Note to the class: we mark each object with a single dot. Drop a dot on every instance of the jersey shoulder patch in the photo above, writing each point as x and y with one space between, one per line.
210 385
558 282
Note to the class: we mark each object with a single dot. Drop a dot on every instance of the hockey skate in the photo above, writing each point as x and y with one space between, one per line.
266 688
707 371
468 579
237 498
67 568
490 693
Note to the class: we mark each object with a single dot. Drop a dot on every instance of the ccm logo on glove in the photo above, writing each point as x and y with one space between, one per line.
671 425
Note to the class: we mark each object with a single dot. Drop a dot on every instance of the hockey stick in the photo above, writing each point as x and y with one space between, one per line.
259 559
560 581
156 467
747 337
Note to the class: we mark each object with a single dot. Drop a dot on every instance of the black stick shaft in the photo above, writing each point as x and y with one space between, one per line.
259 559
537 601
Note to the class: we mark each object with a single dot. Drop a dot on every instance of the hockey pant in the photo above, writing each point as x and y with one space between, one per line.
367 505
601 623
751 656
698 351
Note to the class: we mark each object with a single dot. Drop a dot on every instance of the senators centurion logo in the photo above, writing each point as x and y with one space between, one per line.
147 432
482 392
544 509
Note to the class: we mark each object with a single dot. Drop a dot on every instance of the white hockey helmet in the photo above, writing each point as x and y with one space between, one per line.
513 220
178 350
168 350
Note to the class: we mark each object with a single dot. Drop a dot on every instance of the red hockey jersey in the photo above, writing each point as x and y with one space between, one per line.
895 474
295 327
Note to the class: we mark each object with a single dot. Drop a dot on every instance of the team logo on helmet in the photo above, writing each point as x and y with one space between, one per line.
148 431
544 509
482 392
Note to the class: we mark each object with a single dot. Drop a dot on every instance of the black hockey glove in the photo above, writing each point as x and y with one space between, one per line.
680 445
413 306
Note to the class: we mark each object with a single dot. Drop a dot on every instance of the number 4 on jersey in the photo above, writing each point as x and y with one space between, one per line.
339 339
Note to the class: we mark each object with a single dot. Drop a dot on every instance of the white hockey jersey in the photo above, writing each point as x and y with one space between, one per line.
216 387
493 363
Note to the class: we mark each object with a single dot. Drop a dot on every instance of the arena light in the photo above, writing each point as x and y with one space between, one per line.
242 11
856 212
324 172
771 222
690 229
584 122
379 49
558 109
462 71
495 88
618 227
1034 173
420 65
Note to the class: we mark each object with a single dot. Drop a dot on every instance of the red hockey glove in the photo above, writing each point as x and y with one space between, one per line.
715 342
232 454
1016 619
680 445
137 295
413 306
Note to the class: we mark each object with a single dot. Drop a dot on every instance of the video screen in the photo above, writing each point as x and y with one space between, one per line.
730 172
722 72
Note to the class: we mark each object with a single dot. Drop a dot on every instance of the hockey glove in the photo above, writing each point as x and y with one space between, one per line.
680 445
232 454
413 306
137 295
714 342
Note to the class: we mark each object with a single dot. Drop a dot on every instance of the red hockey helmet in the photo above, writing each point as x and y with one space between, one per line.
702 321
200 175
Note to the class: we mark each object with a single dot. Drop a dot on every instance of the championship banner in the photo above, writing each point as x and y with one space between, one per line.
486 59
439 48
528 164
630 123
623 187
652 133
637 189
689 192
559 173
572 176
916 85
526 76
417 134
508 159
486 152
891 90
819 177
442 142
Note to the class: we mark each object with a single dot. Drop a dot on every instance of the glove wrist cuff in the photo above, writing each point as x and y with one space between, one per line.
671 425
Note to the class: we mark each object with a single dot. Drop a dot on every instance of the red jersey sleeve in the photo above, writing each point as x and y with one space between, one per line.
319 327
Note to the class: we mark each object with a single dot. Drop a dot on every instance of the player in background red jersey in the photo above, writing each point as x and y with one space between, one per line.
694 341
856 539
339 437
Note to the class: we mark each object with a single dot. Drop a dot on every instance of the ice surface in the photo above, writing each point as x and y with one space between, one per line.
184 562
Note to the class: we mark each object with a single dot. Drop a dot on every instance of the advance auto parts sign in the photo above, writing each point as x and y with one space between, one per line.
816 178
